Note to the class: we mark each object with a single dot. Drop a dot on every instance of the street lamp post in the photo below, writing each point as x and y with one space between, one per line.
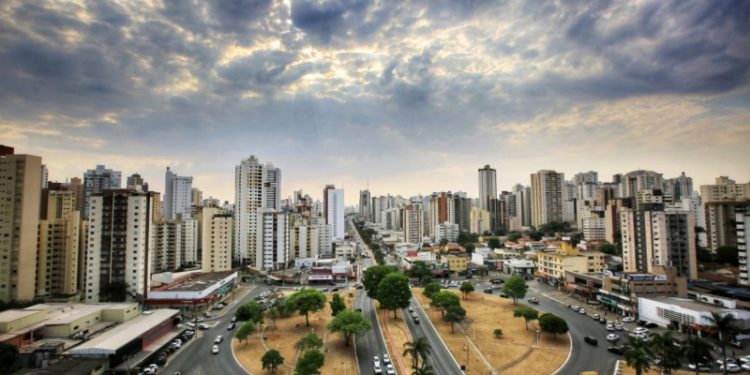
537 337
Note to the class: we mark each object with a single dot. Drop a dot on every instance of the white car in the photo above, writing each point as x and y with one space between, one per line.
390 370
218 339
618 327
641 330
731 367
613 337
701 367
386 359
628 319
610 327
215 349
582 311
746 366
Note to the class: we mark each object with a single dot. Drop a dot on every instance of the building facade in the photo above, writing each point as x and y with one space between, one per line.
178 195
216 226
487 186
546 197
257 186
272 246
334 211
96 181
413 221
59 239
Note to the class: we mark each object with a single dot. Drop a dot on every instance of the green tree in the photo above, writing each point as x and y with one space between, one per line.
310 341
726 326
727 255
443 242
417 348
466 288
373 276
431 289
273 314
494 243
527 313
664 346
8 358
420 269
306 301
394 292
514 236
348 323
245 330
116 291
498 332
465 238
454 314
553 324
271 360
310 363
638 355
515 288
698 350
443 300
607 248
535 235
250 311
337 304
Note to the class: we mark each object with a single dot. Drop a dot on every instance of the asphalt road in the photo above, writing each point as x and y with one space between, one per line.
440 357
370 343
196 357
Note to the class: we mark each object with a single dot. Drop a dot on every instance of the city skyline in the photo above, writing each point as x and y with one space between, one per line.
401 97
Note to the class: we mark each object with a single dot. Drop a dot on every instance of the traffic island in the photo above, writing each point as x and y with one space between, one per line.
396 335
339 359
516 351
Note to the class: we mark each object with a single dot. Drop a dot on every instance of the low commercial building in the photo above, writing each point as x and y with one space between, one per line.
195 291
553 265
519 267
620 293
455 263
685 314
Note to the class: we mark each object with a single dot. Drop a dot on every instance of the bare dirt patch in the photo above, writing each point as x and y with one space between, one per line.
512 353
339 359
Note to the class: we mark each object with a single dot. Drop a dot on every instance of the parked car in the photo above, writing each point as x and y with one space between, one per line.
618 327
736 343
207 314
628 319
595 317
705 367
610 327
416 320
582 311
575 307
731 367
591 340
488 290
203 326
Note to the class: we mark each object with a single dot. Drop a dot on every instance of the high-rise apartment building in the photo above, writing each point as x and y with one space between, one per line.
523 203
96 181
742 226
44 176
546 197
487 187
136 182
480 221
334 211
272 246
636 181
442 209
20 190
446 231
675 189
257 186
725 190
59 238
76 186
652 237
413 221
196 197
720 217
178 195
463 211
175 244
216 225
119 245
365 208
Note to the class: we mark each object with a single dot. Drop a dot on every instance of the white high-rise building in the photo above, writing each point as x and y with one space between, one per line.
742 226
446 231
119 245
216 239
272 245
335 213
487 187
546 197
256 186
96 181
175 244
413 221
178 195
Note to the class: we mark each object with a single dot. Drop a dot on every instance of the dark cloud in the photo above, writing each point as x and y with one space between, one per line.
238 15
324 20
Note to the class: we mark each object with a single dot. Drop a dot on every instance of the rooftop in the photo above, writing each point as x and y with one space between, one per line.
196 283
689 304
109 342
8 316
65 313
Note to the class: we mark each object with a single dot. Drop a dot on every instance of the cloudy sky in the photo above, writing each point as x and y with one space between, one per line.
410 96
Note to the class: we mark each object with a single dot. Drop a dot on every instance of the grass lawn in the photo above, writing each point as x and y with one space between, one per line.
510 354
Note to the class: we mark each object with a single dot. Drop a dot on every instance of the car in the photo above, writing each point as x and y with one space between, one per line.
207 314
154 367
358 309
651 325
410 309
595 317
591 340
641 330
602 320
642 323
575 307
230 327
582 311
736 343
616 349
618 327
729 361
488 290
731 367
389 369
533 300
386 358
218 339
416 320
700 367
745 366
234 319
610 327
503 295
613 337
215 349
203 326
190 324
628 319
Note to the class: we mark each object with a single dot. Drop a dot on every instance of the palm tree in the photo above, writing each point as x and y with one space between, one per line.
425 370
698 350
726 326
664 346
638 355
417 348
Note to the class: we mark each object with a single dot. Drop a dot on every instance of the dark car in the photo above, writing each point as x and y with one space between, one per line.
488 290
416 320
616 349
503 295
651 325
591 340
230 327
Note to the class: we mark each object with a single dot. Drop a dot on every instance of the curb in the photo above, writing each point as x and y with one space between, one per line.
356 356
234 355
570 352
436 332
